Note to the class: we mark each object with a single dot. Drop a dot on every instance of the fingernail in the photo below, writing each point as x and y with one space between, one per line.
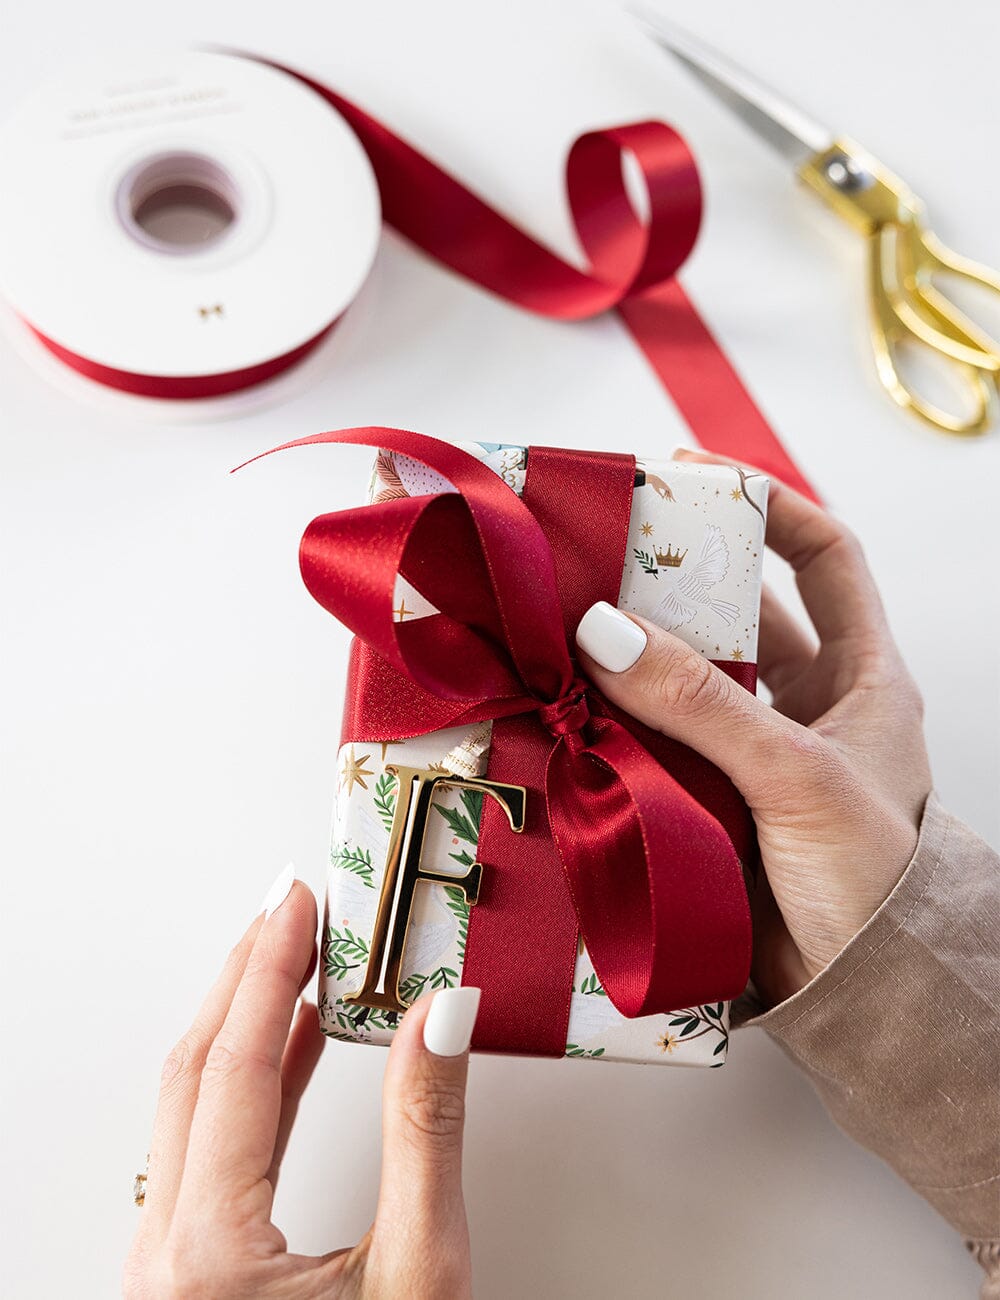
609 637
680 450
278 892
448 1027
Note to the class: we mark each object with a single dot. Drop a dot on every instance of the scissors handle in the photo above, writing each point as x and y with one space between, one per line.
902 315
906 305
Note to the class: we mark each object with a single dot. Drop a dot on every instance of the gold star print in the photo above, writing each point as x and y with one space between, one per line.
385 745
666 1043
736 494
402 612
737 655
354 770
646 530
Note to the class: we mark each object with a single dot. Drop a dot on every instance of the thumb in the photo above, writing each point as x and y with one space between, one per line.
423 1119
672 688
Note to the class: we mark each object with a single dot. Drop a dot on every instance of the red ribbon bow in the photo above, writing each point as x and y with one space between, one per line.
655 882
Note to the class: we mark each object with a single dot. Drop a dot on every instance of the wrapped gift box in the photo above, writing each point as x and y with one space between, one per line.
693 565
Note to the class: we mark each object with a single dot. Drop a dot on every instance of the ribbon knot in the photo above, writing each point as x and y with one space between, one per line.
569 714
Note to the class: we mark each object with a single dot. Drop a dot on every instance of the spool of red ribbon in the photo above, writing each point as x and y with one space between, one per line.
634 262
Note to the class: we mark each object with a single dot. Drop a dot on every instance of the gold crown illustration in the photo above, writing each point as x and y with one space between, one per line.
670 559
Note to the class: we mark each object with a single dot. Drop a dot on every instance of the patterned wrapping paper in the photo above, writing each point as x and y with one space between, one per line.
693 565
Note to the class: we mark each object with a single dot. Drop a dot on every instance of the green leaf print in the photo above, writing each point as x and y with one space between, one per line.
464 823
412 987
472 800
460 823
693 1022
591 986
350 1024
457 904
572 1049
646 562
343 951
385 798
358 861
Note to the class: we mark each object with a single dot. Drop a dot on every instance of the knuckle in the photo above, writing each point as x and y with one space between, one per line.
221 1063
848 541
179 1065
270 959
434 1111
224 1062
685 683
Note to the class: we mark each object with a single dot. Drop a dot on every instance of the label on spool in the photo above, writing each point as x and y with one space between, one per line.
194 214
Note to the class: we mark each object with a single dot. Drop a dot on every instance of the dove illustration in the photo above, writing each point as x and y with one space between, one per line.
690 591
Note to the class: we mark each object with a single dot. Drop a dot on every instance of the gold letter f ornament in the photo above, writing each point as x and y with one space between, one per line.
404 869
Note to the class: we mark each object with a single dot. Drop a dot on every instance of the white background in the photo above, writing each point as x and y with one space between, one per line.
172 695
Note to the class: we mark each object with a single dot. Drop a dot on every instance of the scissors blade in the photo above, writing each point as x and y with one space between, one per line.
794 134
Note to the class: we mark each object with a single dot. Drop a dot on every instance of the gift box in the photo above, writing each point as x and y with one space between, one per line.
496 821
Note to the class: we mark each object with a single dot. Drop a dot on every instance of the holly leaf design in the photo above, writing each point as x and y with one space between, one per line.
591 986
385 798
357 860
573 1049
647 562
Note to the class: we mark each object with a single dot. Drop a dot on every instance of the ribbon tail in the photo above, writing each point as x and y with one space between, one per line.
655 881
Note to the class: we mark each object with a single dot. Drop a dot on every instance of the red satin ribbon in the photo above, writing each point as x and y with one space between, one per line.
614 845
181 387
633 267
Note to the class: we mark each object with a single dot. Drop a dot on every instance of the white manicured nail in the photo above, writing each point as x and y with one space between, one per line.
278 892
609 637
448 1027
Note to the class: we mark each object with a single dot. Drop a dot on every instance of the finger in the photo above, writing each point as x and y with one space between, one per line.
664 683
179 1088
302 1052
423 1117
837 586
235 1122
785 650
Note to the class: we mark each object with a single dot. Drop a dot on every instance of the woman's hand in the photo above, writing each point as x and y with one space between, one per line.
229 1094
835 774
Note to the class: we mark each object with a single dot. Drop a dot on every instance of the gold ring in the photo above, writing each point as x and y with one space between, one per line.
139 1187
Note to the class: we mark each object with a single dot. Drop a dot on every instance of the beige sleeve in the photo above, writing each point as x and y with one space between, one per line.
900 1034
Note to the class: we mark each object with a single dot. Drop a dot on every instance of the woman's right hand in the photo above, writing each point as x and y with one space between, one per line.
836 773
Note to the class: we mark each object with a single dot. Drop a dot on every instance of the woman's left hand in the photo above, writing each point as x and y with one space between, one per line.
229 1094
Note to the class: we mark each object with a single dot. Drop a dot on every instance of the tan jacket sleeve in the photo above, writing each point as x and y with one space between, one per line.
926 1101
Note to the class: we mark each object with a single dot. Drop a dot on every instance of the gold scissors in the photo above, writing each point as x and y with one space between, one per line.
905 256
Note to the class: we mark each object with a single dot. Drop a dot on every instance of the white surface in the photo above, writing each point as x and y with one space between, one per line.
172 694
306 213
